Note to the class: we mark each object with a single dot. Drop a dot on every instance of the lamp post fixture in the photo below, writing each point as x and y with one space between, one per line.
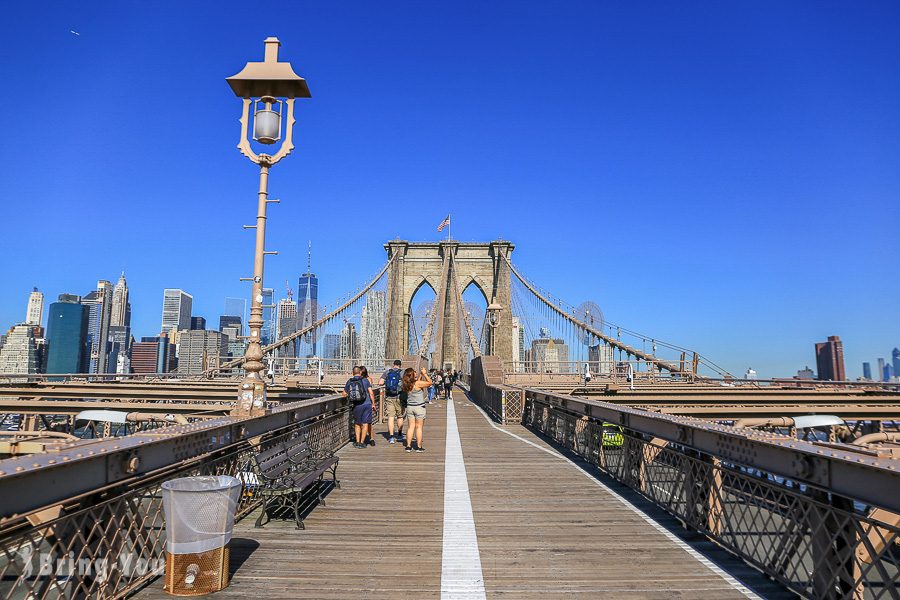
493 311
269 87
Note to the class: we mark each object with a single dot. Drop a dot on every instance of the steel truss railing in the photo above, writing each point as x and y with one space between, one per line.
824 527
110 541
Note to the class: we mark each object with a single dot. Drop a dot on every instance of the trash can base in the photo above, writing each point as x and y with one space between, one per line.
196 574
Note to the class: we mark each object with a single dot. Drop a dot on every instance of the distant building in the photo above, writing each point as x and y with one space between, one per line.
881 365
867 371
308 301
806 373
332 350
518 351
120 315
549 355
118 356
830 359
199 349
750 374
601 359
236 307
267 334
231 327
373 330
349 343
19 353
888 372
152 355
99 304
287 324
67 336
198 323
895 359
176 312
35 312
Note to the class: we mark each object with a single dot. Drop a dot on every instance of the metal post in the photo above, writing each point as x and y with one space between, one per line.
252 393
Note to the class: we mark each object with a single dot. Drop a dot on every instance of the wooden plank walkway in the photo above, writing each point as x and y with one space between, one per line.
544 529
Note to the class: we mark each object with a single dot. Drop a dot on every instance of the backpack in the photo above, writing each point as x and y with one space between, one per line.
392 382
356 392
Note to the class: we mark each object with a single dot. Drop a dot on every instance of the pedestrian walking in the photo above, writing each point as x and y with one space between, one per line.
415 406
393 407
364 373
448 384
359 391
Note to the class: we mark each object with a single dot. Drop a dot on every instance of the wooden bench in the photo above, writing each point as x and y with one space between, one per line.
281 473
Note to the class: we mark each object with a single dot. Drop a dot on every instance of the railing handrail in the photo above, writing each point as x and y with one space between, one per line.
852 474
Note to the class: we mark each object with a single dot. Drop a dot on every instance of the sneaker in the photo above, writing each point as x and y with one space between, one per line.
420 449
409 448
357 445
371 442
392 440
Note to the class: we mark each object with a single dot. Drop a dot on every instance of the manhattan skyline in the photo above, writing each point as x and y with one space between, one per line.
704 184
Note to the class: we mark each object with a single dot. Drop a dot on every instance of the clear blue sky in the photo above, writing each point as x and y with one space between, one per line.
719 174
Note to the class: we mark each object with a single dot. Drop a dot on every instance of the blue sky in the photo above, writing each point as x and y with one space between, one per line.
722 175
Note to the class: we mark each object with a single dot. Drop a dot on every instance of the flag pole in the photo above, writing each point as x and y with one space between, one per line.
449 225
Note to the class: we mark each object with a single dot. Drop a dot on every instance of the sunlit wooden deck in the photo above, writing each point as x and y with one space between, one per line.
545 529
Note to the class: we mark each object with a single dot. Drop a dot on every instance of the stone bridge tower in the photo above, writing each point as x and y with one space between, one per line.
424 263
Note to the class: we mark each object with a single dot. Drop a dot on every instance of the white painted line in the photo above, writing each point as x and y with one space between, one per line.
737 585
461 576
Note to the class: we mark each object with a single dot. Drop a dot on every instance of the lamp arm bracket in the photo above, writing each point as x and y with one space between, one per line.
244 144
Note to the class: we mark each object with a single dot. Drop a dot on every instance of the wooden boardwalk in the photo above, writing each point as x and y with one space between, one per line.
545 529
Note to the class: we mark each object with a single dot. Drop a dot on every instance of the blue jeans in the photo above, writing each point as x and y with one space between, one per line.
430 393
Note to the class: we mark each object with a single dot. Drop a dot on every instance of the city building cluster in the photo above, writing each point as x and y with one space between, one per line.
91 333
886 370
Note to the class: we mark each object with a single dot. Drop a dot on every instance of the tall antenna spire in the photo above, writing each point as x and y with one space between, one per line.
309 258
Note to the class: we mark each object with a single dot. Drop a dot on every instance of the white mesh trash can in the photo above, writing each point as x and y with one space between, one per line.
199 522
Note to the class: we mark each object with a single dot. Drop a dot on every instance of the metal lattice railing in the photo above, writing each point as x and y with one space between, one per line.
110 543
818 544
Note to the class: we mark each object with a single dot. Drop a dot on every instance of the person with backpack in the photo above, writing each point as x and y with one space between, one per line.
448 384
393 406
415 406
359 391
364 373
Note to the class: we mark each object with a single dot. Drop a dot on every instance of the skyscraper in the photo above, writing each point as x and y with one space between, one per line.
880 373
830 359
121 306
199 349
332 350
176 312
349 343
287 324
601 358
308 301
118 359
516 349
267 333
20 353
895 359
867 371
236 307
35 312
99 303
373 326
806 373
198 323
152 355
67 336
230 326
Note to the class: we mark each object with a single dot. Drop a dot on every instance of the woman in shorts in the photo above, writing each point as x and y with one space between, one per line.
415 406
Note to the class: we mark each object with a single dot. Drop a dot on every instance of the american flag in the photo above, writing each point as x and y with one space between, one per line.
444 223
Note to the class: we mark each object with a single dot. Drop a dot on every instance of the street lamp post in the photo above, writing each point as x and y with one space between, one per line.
269 87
